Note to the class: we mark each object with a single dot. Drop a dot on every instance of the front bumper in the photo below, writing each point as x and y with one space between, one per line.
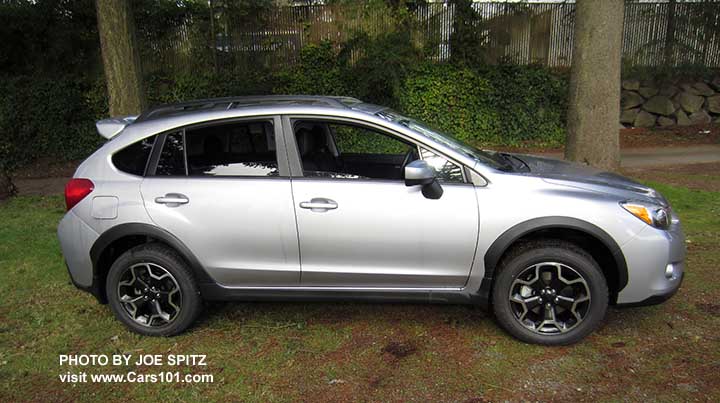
648 255
657 298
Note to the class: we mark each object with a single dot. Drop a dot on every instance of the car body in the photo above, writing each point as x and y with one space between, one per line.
275 198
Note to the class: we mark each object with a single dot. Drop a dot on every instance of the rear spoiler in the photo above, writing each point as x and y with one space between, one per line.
109 128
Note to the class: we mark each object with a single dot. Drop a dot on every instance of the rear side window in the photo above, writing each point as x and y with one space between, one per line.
229 149
133 158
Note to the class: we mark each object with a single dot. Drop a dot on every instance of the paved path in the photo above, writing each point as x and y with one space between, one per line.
631 158
648 157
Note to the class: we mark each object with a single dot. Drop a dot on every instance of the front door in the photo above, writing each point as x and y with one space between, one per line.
222 190
360 226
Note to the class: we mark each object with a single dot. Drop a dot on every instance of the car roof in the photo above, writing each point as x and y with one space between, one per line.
271 102
167 117
171 116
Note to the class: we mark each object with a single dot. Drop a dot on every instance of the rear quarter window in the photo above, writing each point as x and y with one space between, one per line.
133 158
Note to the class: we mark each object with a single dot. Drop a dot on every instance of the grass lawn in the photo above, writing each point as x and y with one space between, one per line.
286 352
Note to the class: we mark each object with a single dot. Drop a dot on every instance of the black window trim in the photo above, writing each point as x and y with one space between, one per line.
294 154
152 170
283 168
185 159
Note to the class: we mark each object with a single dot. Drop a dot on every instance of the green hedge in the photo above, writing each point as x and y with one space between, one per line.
492 105
162 89
320 71
486 105
47 117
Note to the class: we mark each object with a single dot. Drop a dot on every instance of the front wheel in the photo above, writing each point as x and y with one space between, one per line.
550 292
151 290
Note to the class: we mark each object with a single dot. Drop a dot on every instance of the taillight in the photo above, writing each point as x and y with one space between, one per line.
76 190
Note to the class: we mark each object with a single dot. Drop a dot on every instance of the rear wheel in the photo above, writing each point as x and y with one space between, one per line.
152 291
549 292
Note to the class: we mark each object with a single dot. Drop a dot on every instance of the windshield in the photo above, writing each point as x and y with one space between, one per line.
485 157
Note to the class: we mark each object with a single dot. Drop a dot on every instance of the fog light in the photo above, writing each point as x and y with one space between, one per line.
670 271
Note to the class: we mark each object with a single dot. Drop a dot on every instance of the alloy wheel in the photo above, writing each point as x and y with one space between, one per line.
550 298
149 294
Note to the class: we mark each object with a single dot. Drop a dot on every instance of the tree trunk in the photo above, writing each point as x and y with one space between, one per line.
120 57
594 99
7 188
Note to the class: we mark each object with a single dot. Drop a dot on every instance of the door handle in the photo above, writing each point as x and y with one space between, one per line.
172 199
318 204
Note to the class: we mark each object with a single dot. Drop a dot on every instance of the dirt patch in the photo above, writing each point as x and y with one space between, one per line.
41 186
644 138
46 168
400 349
692 176
673 137
44 177
710 309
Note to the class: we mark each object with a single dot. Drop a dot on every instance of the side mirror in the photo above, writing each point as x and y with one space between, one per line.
419 172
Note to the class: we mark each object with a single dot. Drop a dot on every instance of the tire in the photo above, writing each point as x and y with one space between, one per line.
177 296
531 270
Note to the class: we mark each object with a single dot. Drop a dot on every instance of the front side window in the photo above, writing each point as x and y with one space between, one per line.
446 171
133 158
359 140
350 151
448 141
229 149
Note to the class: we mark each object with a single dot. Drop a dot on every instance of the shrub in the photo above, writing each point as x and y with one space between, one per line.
46 116
166 88
490 105
383 62
468 38
453 99
318 72
531 100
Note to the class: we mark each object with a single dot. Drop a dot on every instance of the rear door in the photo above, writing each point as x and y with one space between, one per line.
223 189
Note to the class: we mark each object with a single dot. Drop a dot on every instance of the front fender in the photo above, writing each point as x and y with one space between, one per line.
511 235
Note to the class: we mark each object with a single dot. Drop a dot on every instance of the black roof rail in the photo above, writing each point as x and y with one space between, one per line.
233 102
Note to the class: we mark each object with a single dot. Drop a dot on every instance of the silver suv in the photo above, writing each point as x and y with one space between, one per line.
299 197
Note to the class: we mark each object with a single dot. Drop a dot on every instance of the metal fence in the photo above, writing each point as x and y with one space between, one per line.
655 34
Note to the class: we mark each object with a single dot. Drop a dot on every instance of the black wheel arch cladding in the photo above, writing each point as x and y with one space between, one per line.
144 230
509 237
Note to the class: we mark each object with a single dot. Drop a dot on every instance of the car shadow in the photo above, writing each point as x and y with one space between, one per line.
304 313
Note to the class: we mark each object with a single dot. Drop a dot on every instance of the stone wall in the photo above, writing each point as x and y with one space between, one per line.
680 102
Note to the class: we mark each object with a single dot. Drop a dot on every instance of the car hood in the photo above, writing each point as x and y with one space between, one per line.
583 176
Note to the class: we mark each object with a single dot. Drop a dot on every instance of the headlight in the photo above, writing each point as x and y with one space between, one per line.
653 214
